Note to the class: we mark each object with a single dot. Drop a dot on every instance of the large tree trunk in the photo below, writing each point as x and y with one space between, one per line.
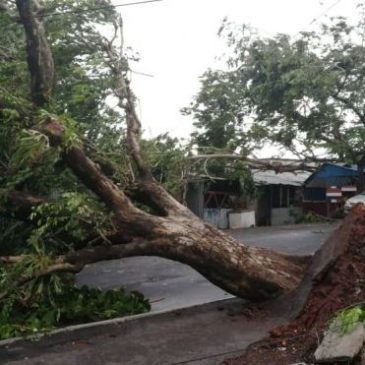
249 272
173 231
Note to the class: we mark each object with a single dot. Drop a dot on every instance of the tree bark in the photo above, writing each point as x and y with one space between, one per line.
249 272
20 204
39 54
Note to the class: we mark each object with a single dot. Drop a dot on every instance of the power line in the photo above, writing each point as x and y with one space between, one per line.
141 73
81 11
325 12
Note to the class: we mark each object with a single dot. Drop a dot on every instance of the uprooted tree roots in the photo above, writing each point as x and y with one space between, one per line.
334 280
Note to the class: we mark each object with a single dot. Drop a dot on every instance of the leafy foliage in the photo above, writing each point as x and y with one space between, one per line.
218 114
70 216
243 175
350 317
168 159
43 303
305 94
67 305
308 218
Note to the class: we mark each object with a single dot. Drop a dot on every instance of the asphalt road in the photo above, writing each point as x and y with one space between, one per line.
171 285
300 239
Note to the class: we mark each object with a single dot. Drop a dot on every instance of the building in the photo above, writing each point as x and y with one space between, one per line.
280 196
326 190
222 203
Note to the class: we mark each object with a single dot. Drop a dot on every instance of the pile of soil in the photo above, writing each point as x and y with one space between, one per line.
335 279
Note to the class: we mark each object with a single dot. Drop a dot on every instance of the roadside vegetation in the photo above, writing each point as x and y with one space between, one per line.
60 303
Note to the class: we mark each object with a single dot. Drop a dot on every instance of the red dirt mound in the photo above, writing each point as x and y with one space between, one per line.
338 283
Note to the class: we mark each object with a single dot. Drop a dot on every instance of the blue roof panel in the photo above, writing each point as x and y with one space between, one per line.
331 173
329 170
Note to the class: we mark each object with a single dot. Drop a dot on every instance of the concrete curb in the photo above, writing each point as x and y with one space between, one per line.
98 324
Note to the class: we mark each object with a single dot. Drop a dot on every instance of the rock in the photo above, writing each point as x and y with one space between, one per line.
337 346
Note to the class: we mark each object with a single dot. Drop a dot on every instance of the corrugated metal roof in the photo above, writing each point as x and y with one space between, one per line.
344 165
270 177
331 174
330 181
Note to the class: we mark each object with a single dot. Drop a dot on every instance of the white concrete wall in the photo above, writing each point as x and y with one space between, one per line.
217 217
243 219
281 216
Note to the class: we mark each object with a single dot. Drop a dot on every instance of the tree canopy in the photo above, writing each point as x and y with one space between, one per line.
305 93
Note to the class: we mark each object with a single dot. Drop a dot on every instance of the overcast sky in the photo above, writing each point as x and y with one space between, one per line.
177 41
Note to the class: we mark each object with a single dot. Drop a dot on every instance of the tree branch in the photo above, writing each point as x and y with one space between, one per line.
75 261
351 106
52 269
267 164
127 103
39 55
161 199
93 178
20 204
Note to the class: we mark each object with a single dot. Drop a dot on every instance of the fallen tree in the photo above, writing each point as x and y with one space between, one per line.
167 228
147 220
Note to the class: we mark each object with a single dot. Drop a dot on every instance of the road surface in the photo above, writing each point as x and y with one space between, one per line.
204 335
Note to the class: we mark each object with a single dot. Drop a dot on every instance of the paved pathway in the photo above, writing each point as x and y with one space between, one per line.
204 335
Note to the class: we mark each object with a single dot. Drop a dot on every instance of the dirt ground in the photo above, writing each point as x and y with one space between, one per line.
335 280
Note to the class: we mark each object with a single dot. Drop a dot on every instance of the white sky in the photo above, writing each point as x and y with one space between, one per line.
177 41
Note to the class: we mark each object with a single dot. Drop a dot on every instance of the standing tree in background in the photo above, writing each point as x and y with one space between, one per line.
219 115
305 94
